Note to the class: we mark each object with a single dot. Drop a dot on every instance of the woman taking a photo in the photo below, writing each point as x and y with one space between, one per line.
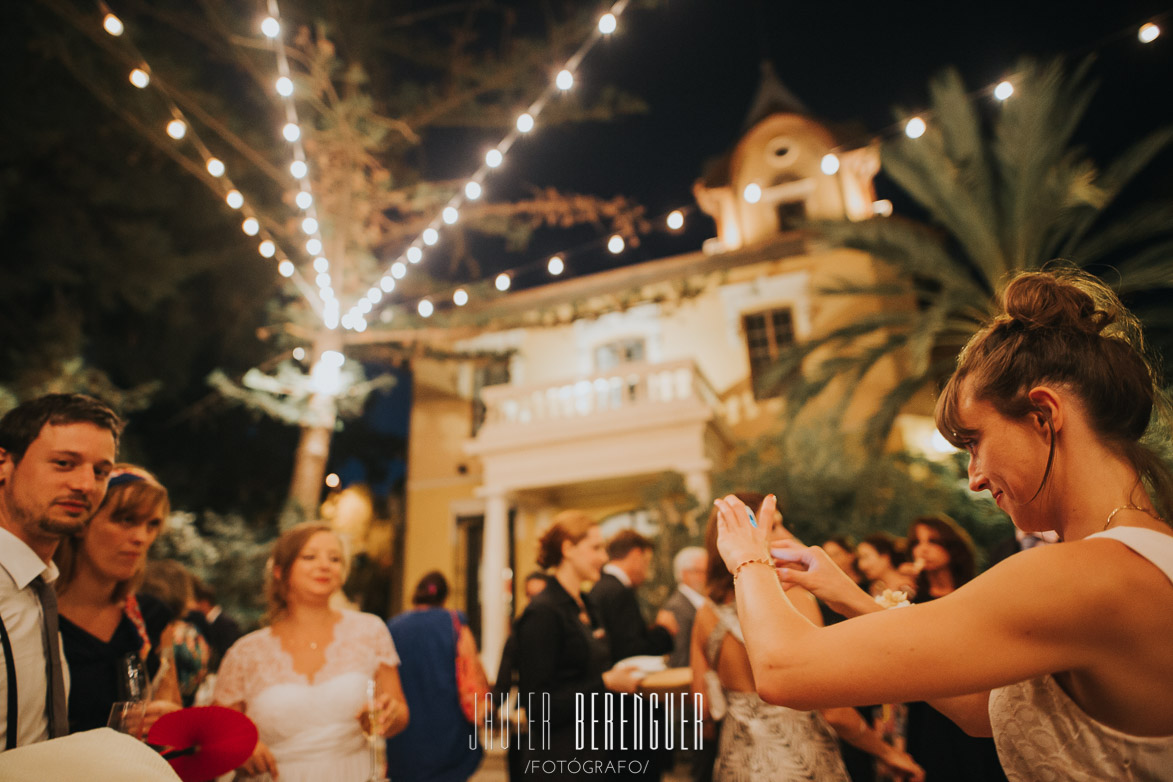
304 680
109 634
1062 652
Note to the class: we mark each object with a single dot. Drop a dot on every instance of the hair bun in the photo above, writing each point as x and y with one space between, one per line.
1045 300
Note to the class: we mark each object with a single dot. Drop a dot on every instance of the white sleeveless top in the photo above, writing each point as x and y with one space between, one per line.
1042 734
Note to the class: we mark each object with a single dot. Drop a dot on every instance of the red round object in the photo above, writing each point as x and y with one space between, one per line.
203 742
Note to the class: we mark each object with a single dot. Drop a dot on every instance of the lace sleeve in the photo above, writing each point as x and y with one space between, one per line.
382 644
234 674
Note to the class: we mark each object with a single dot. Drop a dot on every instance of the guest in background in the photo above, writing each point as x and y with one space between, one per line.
878 558
842 552
222 630
107 631
435 747
304 678
507 681
689 567
629 559
182 646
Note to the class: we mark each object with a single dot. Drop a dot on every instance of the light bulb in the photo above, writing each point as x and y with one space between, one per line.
375 295
493 158
360 325
304 200
285 86
607 24
251 226
285 268
387 283
398 270
616 244
364 306
323 280
267 248
502 282
525 123
309 226
298 168
564 80
460 297
1148 32
291 131
298 353
450 215
313 247
415 254
112 24
752 193
234 199
556 265
431 236
915 127
829 164
215 166
177 129
140 78
425 308
270 27
321 264
675 220
472 190
1004 90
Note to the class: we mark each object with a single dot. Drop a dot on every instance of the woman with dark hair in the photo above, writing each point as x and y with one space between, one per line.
942 555
562 653
879 557
107 630
759 740
1062 652
437 745
306 679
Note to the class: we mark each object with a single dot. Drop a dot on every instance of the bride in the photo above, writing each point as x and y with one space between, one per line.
304 679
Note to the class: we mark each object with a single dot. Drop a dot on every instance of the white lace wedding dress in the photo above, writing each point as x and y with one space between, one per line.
309 726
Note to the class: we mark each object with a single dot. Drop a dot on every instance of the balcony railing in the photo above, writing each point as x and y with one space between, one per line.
627 387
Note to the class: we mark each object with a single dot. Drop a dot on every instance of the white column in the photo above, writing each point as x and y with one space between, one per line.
697 482
494 607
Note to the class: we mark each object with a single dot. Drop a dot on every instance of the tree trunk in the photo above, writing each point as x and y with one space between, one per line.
313 448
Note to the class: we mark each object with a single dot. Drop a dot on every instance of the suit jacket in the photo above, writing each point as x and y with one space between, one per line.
627 631
685 612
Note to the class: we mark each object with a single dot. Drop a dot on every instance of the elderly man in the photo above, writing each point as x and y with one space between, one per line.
689 566
56 453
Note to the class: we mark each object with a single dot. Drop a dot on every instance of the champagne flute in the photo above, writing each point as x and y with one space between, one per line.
135 684
371 721
128 717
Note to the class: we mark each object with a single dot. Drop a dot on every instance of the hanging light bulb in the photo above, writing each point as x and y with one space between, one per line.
250 226
215 167
234 199
425 308
291 131
140 78
450 215
460 297
387 283
607 24
298 354
267 248
304 200
493 158
431 236
616 244
364 306
675 220
472 190
321 264
326 294
309 226
270 27
113 25
284 86
177 129
556 265
564 80
330 315
285 268
752 193
415 254
1148 32
1004 90
915 127
398 270
298 168
323 280
375 295
502 282
313 247
525 123
829 164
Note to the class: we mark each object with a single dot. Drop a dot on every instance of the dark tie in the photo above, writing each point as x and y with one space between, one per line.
55 703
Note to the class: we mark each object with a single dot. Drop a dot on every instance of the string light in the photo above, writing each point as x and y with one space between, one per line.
323 280
472 190
298 169
270 27
564 80
177 129
414 254
430 236
286 268
752 193
450 215
525 123
675 220
829 164
304 200
1004 90
616 244
291 132
267 248
607 24
1148 32
425 308
215 166
113 25
494 158
321 265
398 270
374 295
313 246
234 199
140 78
915 127
309 226
387 283
250 226
556 265
502 282
460 297
298 353
284 86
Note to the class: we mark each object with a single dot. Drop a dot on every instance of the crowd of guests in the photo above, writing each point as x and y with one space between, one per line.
1059 653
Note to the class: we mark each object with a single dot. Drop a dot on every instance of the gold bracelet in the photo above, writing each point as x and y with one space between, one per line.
762 560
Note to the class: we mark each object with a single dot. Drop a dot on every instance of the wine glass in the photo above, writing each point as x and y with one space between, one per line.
134 683
376 742
128 717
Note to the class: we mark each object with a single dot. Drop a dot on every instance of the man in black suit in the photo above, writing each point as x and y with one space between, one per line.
628 633
218 629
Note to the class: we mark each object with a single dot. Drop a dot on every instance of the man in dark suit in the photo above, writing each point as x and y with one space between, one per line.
628 633
219 629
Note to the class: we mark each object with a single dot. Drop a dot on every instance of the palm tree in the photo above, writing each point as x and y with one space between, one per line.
1000 195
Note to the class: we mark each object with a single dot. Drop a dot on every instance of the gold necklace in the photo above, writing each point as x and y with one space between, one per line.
1112 515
